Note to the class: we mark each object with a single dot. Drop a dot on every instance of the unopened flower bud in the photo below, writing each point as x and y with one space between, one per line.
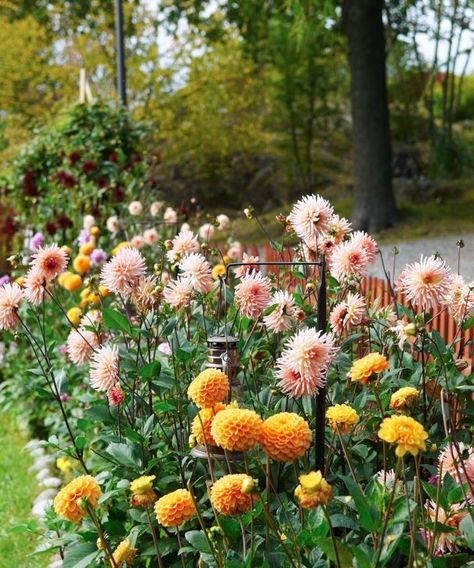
410 330
248 212
248 485
168 244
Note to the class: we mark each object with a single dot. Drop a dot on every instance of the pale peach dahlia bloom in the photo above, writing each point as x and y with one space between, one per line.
104 369
80 345
283 315
197 270
11 296
459 465
34 287
338 228
122 273
446 542
460 298
425 283
177 293
252 295
241 271
348 313
50 261
366 242
348 259
311 217
184 243
302 367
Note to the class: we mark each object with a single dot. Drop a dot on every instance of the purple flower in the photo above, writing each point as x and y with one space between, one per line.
84 237
98 257
62 348
4 279
36 241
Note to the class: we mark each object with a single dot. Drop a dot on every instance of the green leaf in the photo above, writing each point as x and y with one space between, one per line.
361 557
116 321
327 546
197 540
467 528
367 520
151 370
125 454
81 556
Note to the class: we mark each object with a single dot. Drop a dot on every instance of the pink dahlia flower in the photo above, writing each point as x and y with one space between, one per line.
425 283
104 369
34 287
252 295
11 296
348 313
80 345
460 298
311 217
459 465
348 259
366 242
177 293
338 228
303 364
198 271
184 243
49 262
283 315
122 273
241 271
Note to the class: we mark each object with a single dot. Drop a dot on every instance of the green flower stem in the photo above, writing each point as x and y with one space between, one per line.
103 540
333 538
201 522
155 537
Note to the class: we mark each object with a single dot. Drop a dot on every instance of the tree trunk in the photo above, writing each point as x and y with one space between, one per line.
374 203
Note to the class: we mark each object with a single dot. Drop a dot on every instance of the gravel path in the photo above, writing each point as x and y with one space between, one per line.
411 251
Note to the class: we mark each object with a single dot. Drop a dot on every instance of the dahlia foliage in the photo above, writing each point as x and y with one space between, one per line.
311 441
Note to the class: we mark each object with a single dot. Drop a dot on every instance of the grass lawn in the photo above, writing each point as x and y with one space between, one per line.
18 490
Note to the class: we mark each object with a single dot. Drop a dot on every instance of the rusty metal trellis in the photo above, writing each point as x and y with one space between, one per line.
319 401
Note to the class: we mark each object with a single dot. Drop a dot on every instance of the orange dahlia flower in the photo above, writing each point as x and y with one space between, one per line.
175 508
201 426
228 497
208 388
236 429
371 364
124 553
342 417
69 502
285 436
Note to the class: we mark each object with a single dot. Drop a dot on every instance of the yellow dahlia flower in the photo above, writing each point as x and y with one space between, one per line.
341 416
72 283
63 277
81 263
65 465
123 553
236 429
175 508
218 270
208 388
407 433
69 502
87 248
201 426
229 496
403 397
74 315
363 369
142 484
313 490
285 436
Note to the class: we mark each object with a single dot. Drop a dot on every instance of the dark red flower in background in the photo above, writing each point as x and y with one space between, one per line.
51 227
63 221
10 226
65 179
113 156
29 184
89 166
74 157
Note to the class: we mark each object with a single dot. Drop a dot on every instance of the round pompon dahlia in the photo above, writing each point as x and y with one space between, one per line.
310 217
11 296
69 502
174 508
371 364
229 496
342 417
313 490
406 432
426 283
403 397
252 295
302 367
236 429
285 437
122 273
201 426
208 388
49 261
104 370
124 553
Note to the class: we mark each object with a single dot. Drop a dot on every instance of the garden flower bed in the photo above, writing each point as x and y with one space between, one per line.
207 407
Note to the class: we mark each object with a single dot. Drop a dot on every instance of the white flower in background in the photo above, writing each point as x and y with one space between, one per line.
151 236
137 242
311 217
170 216
135 208
184 243
207 231
235 251
224 222
112 224
197 270
185 227
88 222
155 208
